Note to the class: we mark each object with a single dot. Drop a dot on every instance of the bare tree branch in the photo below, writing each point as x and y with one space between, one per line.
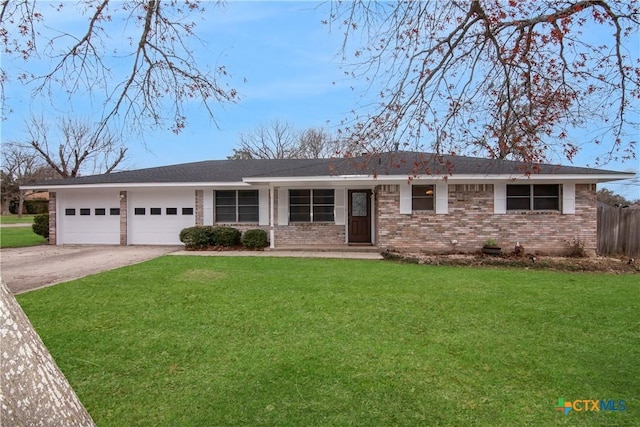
485 77
163 76
79 150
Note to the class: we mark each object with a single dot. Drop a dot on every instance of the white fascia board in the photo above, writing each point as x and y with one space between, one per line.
124 186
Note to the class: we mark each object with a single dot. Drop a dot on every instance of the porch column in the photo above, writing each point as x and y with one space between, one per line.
272 231
52 218
374 213
123 218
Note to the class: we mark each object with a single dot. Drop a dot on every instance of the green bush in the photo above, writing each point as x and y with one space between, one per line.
255 239
41 225
36 206
226 236
198 237
203 236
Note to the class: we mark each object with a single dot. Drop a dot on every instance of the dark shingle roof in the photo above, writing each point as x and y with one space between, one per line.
395 163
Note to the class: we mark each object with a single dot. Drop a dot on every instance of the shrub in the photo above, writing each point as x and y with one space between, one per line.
36 206
255 239
576 249
198 237
41 225
226 236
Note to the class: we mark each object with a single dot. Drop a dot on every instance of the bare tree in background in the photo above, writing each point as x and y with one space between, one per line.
280 140
73 147
317 143
162 73
505 79
20 165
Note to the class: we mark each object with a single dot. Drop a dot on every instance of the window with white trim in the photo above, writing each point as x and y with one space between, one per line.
422 197
311 205
533 197
236 205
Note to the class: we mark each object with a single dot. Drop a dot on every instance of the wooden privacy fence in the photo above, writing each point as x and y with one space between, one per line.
618 231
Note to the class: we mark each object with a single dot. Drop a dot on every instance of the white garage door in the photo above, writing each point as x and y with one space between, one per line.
88 217
155 217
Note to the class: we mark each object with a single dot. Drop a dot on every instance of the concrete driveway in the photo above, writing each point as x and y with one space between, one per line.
25 269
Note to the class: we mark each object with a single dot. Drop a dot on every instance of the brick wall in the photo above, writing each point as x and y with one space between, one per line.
199 207
471 221
52 218
309 234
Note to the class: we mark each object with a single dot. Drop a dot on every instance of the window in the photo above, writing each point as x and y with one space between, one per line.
422 197
100 211
536 197
114 211
172 211
70 211
139 211
85 211
236 206
155 211
187 211
311 205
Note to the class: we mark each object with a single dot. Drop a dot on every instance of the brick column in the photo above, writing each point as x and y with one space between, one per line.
123 218
199 207
52 218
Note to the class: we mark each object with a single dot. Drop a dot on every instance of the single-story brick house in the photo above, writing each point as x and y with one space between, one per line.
399 200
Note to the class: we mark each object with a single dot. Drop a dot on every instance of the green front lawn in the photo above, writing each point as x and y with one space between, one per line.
194 341
17 237
13 219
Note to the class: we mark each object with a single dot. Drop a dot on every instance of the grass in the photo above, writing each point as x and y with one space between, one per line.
194 341
13 219
18 237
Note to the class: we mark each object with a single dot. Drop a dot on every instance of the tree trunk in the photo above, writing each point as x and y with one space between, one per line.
5 206
33 390
20 203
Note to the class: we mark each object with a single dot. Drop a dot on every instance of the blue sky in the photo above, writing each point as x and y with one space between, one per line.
285 65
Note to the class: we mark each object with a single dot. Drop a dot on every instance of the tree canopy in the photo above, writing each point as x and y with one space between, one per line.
506 79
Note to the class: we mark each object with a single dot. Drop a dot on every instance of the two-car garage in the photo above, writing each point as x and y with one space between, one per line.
153 216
